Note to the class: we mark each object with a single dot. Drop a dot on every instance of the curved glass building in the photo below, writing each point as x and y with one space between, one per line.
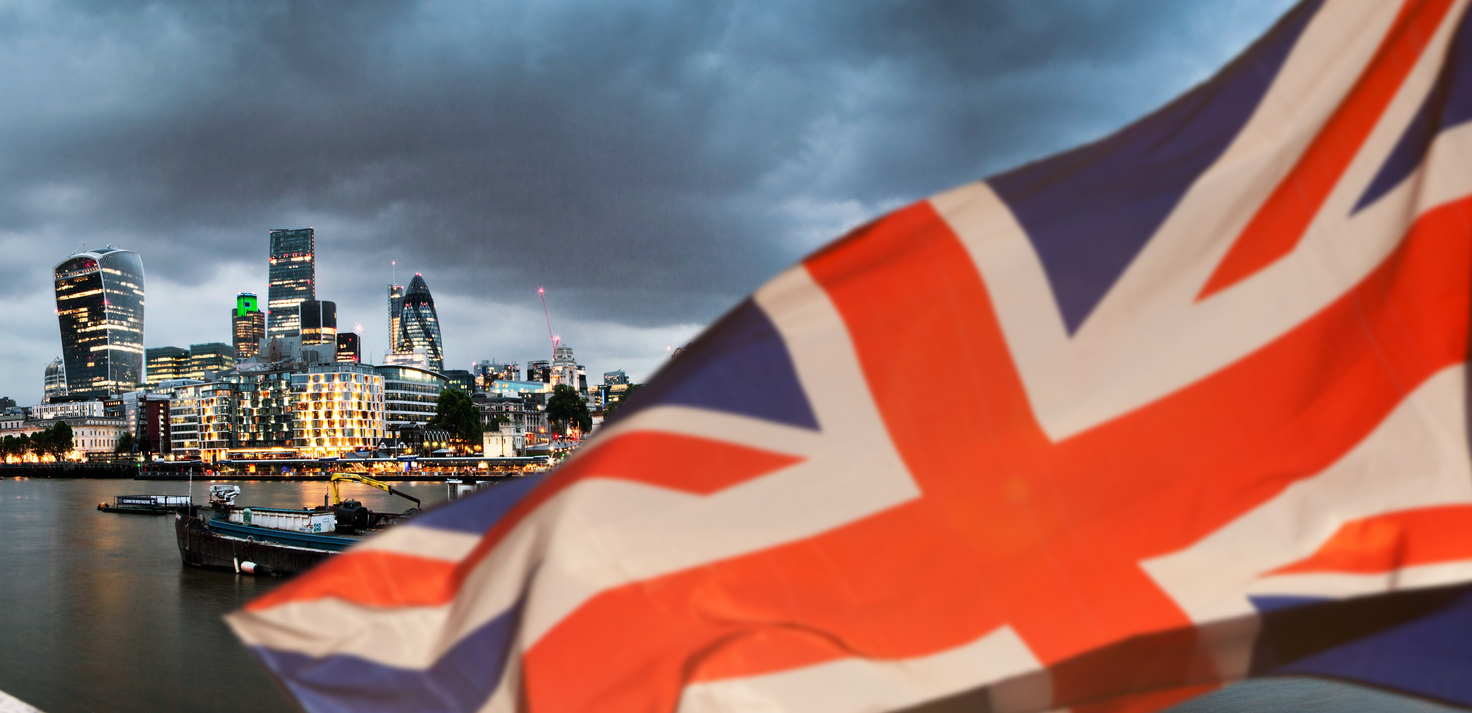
99 303
419 326
55 386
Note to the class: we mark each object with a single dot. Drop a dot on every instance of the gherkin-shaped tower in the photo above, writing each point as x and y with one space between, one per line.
419 326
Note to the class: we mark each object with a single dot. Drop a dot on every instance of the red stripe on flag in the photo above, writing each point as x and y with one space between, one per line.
1384 543
1282 220
684 463
370 577
1014 529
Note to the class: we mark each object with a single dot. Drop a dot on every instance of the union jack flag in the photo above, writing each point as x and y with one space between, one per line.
1205 418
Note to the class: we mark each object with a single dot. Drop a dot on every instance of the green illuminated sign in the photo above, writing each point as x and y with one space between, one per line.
245 304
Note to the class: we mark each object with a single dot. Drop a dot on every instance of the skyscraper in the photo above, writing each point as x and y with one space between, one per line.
248 324
55 384
419 326
318 323
293 279
395 309
348 348
99 304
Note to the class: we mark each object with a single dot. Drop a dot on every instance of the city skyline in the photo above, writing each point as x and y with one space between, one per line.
648 186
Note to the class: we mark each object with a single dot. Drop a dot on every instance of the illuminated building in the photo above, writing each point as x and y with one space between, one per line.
539 370
487 372
564 367
209 357
99 304
460 380
263 408
292 280
419 357
55 381
395 309
318 323
349 348
410 394
337 408
419 326
166 363
201 420
248 325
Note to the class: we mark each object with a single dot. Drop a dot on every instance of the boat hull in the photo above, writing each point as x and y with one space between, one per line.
201 547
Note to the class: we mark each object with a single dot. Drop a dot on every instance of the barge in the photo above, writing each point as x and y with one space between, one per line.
146 504
276 540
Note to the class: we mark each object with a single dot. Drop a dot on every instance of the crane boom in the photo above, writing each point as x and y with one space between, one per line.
359 477
541 292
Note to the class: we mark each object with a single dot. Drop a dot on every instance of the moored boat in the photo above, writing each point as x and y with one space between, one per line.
146 504
202 546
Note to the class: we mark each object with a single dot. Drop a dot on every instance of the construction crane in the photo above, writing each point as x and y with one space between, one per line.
548 315
360 478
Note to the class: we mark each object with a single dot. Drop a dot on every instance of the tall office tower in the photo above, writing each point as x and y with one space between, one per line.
165 363
248 324
210 356
395 309
419 326
293 280
99 303
349 348
55 385
318 321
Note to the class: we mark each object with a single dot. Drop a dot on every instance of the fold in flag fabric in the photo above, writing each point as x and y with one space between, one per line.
1179 407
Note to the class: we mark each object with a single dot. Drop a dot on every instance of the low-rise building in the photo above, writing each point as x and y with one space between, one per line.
503 442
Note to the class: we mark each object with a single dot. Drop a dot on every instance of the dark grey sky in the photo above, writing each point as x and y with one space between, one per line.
648 163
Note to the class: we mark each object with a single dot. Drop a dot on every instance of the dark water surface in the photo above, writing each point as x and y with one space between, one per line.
98 614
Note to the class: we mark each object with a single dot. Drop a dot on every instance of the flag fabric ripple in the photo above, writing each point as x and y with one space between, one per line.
1179 407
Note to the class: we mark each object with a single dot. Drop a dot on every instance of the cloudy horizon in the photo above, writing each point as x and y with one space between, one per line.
648 164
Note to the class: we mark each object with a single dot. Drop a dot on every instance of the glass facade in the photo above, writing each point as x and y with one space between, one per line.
337 408
292 280
395 308
410 394
247 325
318 322
262 409
349 348
166 363
419 326
55 383
539 370
99 303
211 356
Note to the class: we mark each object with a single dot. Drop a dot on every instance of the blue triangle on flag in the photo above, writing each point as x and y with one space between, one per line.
1088 212
740 365
1448 104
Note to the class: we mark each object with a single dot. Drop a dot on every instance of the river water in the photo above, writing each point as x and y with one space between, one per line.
98 614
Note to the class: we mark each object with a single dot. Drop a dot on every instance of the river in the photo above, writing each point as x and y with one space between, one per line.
98 614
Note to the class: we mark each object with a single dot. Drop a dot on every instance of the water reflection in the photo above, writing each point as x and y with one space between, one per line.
97 613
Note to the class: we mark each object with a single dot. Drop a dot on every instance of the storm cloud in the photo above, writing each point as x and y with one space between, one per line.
648 163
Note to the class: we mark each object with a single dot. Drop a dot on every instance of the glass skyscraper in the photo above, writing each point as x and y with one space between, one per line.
247 324
395 309
99 303
419 326
318 323
292 280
